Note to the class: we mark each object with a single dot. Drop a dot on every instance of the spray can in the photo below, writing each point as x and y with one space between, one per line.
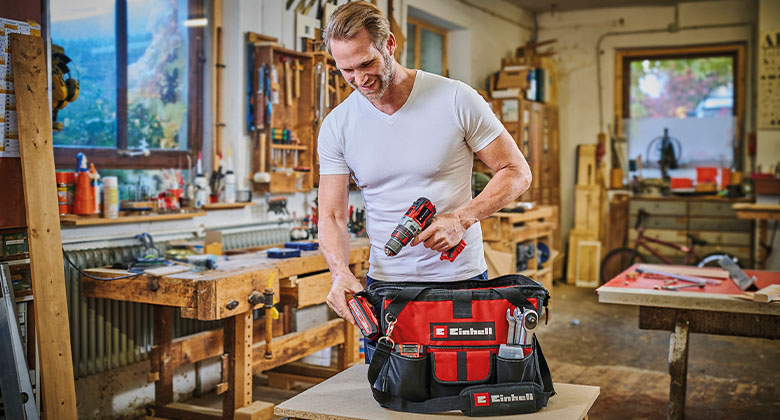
84 203
66 189
229 191
110 197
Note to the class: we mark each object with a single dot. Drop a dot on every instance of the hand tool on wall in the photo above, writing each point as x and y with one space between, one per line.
260 98
417 218
737 275
287 80
297 68
337 82
250 100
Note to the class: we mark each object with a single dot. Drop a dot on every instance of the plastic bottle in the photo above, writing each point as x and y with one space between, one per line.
229 192
110 197
84 202
95 182
201 186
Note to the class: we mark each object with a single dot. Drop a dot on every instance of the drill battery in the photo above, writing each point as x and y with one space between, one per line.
364 316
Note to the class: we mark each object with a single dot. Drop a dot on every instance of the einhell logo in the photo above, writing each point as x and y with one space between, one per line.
460 331
484 399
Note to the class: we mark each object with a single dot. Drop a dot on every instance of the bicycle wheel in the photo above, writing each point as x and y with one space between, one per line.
617 261
711 259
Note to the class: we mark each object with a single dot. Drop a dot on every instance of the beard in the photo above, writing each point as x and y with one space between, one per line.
385 77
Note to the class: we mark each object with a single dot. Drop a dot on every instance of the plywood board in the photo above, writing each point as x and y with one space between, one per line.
40 196
348 396
587 264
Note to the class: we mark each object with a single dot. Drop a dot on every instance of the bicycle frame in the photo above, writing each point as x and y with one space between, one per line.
642 240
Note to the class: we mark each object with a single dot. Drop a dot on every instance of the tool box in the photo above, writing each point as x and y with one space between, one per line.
303 245
283 253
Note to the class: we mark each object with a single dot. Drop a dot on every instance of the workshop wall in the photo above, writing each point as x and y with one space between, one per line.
578 33
767 141
482 34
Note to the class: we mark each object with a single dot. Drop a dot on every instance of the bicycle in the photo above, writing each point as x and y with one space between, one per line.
619 259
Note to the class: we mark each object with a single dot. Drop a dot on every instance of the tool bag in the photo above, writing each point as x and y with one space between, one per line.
439 347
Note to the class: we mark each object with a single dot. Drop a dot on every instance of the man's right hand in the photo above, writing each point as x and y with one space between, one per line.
337 296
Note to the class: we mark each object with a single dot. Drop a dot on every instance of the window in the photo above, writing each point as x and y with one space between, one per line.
426 47
139 64
681 108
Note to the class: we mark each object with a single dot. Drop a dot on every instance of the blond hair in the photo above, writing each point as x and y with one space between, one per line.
350 18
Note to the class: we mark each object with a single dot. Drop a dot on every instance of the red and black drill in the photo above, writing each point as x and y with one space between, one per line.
417 218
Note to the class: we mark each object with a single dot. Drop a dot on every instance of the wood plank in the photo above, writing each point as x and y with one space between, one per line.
767 294
28 58
304 369
188 411
293 346
75 220
137 289
226 206
710 322
258 410
682 299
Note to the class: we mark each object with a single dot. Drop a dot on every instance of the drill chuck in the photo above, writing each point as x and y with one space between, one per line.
406 230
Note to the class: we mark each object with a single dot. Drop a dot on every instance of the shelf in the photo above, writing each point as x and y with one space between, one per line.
75 220
289 147
226 206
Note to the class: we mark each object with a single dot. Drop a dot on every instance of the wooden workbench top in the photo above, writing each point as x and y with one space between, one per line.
721 298
205 294
348 396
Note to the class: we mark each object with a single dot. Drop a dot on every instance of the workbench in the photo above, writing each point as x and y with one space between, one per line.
347 396
715 309
223 294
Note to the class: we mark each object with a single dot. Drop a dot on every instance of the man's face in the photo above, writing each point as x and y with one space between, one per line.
366 69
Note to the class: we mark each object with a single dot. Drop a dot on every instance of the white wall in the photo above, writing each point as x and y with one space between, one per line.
578 33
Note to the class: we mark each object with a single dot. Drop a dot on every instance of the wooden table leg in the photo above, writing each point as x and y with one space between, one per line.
238 345
678 369
161 354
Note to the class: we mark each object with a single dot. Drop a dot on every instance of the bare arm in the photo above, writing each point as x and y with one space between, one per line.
512 178
333 200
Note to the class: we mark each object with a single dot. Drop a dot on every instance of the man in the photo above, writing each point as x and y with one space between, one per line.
405 134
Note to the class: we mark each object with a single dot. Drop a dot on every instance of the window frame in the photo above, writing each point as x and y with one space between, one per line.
112 157
421 24
624 57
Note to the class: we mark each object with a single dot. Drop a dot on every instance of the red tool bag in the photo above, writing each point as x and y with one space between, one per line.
439 346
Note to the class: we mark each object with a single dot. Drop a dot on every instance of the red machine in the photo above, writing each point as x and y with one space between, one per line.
417 218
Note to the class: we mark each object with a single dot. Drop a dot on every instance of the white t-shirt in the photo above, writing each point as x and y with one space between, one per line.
425 149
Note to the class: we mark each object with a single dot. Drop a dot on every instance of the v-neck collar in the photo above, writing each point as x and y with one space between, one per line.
390 118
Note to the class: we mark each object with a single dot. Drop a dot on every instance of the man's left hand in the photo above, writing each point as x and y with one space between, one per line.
445 232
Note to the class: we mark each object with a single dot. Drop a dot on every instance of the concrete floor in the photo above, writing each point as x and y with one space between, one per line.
728 377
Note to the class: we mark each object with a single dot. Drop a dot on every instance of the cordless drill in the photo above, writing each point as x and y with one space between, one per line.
417 218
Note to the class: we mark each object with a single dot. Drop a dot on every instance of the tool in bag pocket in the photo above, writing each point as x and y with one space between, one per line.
459 345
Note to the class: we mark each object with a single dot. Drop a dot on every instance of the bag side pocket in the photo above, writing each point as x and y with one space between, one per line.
517 370
405 377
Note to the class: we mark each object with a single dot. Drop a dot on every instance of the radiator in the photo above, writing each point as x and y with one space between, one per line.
105 333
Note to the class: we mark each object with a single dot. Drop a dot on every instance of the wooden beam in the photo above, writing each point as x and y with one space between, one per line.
293 346
188 411
28 58
238 344
161 355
